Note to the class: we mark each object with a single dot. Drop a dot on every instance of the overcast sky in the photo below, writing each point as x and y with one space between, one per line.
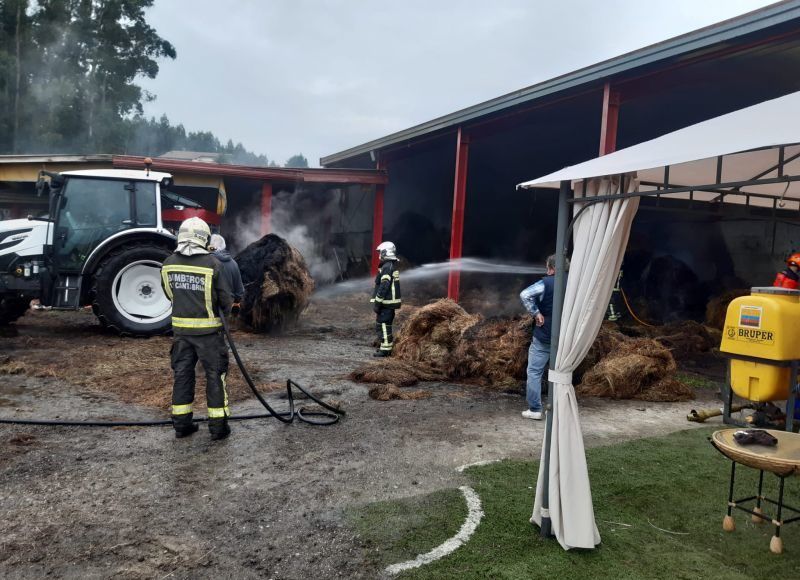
319 76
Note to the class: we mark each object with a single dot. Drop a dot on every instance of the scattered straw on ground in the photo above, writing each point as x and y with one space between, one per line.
393 392
135 370
395 371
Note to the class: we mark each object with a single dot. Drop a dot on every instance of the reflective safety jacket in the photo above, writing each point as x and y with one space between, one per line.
387 286
787 279
199 293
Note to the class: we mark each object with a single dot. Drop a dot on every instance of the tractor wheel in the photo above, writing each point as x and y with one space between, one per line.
11 309
126 293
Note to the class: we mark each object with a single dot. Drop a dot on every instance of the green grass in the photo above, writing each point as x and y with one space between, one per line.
697 381
396 531
677 483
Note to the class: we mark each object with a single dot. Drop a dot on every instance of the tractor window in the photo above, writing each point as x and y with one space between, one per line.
145 204
91 211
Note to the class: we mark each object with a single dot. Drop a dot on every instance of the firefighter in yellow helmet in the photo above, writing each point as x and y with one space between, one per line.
386 297
193 280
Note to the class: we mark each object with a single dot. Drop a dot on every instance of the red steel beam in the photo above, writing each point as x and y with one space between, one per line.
459 201
266 208
377 221
609 120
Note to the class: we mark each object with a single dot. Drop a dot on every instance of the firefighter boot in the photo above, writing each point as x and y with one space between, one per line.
184 426
219 429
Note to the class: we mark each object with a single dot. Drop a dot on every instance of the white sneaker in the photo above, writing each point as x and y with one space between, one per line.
535 415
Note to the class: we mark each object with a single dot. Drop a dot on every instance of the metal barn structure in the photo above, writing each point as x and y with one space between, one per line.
451 189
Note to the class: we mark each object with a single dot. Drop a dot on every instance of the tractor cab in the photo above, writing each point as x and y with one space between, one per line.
107 234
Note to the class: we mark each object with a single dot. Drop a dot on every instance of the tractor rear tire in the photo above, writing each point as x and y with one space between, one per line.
12 308
126 291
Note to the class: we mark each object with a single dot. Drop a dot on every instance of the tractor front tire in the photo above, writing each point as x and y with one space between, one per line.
126 291
12 308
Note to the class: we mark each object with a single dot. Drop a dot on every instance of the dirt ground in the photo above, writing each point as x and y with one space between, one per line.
269 501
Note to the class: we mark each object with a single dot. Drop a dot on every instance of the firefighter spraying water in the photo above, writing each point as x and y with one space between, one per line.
386 297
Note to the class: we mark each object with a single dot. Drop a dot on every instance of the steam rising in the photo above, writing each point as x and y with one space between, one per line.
295 217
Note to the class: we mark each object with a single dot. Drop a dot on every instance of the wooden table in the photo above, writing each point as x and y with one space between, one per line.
783 460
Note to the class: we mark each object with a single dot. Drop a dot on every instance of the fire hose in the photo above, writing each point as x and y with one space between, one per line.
328 416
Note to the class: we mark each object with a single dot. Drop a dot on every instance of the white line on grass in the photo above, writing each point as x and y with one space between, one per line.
461 468
468 528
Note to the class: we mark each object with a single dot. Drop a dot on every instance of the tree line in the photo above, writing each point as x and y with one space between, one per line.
68 72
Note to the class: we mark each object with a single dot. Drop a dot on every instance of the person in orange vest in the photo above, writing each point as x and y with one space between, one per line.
790 277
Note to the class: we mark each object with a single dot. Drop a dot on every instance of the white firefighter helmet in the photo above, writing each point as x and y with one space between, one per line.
387 251
195 232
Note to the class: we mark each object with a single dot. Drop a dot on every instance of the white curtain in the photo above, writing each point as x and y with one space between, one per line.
600 236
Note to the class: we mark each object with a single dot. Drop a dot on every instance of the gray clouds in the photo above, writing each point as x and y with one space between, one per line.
290 76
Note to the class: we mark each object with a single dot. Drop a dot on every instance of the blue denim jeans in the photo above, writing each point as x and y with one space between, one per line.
538 357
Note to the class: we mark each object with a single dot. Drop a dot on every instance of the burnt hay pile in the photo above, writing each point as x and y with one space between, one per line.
277 284
633 368
683 339
441 341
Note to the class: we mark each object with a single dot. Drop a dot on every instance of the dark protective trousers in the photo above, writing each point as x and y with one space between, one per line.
383 326
212 352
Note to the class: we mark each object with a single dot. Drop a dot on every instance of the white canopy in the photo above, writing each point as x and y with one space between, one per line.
747 139
722 156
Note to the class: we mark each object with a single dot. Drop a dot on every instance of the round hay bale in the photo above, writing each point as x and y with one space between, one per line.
635 369
277 284
608 338
432 332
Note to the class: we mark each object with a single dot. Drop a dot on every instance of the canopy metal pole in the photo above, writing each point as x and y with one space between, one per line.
559 290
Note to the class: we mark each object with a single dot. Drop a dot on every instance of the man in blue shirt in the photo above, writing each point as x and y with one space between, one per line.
538 300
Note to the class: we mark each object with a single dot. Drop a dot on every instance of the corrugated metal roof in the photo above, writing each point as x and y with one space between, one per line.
727 30
56 158
276 174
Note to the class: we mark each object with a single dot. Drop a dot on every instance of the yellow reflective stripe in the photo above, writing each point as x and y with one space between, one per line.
181 409
396 301
209 306
196 322
167 287
207 272
223 376
394 297
190 269
385 277
396 275
218 412
372 299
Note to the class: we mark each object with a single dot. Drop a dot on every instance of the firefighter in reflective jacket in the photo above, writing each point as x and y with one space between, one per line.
790 277
386 297
193 280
